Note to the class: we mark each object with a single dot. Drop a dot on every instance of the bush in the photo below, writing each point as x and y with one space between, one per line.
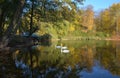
101 34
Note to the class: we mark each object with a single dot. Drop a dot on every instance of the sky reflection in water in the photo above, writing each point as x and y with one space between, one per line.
97 72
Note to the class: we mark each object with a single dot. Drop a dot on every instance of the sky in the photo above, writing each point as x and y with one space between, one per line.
100 4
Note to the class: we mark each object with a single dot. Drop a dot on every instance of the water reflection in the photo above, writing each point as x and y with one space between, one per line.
91 59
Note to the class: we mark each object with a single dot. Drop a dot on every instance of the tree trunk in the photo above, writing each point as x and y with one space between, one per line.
11 28
14 21
2 20
31 18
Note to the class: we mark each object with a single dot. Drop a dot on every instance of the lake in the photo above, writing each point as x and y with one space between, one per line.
84 59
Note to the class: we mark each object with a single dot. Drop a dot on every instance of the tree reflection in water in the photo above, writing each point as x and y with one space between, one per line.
38 62
49 62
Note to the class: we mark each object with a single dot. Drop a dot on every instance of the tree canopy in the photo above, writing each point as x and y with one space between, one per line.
60 18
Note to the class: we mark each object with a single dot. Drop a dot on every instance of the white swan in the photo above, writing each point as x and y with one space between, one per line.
64 51
63 48
56 46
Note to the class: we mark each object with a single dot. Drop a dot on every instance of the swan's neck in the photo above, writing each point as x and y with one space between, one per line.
61 48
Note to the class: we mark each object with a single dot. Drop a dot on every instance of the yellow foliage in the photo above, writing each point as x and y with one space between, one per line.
72 28
88 19
76 22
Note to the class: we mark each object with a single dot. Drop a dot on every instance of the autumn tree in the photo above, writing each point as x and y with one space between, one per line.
88 18
115 14
108 20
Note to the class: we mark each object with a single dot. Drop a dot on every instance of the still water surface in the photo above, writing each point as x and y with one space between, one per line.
85 59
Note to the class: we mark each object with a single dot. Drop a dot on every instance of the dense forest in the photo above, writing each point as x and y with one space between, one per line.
62 19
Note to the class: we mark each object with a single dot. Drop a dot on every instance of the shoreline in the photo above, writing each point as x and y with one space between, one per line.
107 39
